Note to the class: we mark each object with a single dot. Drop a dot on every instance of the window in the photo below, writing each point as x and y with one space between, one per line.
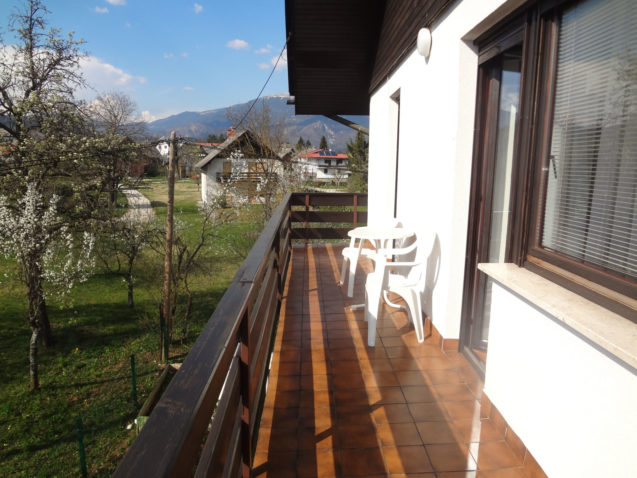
579 151
589 212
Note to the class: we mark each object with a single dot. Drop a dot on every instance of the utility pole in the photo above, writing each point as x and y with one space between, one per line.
168 260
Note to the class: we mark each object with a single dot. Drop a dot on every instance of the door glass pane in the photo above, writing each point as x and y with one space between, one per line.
500 204
507 115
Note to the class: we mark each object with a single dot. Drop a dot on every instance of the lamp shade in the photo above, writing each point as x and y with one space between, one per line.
423 44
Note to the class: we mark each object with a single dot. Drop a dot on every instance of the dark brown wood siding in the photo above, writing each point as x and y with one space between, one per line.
401 23
331 49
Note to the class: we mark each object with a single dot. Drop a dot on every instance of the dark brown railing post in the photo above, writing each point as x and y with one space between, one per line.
355 210
290 222
244 374
307 217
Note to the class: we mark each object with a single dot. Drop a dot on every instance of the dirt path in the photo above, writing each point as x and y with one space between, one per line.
139 208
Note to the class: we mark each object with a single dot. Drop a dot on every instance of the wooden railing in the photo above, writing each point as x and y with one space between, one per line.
326 215
206 422
245 176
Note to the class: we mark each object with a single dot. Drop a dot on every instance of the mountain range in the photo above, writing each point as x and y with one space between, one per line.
199 125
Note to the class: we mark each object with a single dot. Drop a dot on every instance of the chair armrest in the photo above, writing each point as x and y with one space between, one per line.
398 251
403 265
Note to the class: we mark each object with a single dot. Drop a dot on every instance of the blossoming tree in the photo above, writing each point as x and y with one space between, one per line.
53 184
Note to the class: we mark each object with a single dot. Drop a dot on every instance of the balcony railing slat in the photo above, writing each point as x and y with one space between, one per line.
262 311
218 443
259 361
329 199
320 233
328 216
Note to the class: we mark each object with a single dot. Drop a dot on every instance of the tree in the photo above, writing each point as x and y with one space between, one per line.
300 144
33 232
263 157
122 242
54 176
113 116
114 112
323 144
357 152
308 144
186 255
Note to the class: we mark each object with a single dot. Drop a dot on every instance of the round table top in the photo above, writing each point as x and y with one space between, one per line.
380 232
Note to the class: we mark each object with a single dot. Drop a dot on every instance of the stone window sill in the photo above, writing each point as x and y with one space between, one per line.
609 331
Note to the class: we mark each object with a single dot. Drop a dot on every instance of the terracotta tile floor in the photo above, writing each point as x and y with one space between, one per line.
338 408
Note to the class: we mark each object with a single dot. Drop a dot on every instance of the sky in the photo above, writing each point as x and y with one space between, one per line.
173 55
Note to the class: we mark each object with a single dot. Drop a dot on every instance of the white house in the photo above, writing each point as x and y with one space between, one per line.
324 165
241 159
508 132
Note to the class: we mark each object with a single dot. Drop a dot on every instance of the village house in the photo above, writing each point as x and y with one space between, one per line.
241 161
323 165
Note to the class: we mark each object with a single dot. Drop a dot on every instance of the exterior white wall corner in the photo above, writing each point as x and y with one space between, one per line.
437 110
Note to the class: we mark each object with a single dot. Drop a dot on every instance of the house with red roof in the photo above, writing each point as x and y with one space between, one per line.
324 165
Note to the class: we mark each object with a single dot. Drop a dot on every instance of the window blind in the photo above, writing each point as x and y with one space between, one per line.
590 205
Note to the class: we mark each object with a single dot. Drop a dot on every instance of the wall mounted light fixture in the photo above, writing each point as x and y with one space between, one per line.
423 44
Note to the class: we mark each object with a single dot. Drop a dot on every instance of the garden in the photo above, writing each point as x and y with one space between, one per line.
86 373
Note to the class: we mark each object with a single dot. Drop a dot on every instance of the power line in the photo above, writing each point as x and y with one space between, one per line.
285 45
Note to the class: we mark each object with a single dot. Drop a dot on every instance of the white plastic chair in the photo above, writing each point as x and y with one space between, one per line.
351 255
407 279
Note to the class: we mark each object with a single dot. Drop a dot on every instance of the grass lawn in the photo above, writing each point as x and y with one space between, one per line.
87 372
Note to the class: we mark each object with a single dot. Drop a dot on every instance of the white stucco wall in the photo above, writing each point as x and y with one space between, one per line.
573 406
209 185
437 109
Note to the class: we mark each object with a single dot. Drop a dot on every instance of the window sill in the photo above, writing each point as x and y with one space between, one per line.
610 331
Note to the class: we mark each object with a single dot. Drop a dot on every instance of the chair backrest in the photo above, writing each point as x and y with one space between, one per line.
418 274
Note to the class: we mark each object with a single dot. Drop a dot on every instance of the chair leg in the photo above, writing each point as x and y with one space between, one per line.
343 269
372 312
415 310
352 276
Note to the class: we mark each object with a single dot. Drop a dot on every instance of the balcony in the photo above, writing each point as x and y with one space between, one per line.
329 405
245 177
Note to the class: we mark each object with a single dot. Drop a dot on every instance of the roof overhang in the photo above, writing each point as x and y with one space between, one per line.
331 53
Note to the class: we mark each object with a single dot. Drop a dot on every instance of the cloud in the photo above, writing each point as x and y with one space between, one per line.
146 116
127 25
185 54
263 50
101 10
188 88
116 2
237 44
169 55
281 65
198 8
283 62
102 76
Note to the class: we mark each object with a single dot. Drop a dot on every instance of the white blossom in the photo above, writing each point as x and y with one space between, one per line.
32 233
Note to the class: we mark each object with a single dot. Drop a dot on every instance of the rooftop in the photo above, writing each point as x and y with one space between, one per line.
324 154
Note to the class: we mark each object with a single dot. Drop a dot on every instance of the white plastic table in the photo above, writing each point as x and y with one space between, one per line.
380 236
